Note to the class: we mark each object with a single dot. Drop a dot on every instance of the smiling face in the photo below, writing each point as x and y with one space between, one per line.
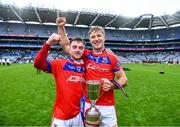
97 38
77 48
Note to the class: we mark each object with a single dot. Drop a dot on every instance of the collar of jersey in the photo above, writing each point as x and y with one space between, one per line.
75 61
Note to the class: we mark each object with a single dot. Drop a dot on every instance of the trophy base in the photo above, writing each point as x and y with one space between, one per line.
92 117
92 124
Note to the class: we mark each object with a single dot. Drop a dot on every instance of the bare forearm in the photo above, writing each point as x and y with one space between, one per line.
121 78
64 39
123 81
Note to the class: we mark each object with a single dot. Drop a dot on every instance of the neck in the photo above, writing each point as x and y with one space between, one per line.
76 61
98 51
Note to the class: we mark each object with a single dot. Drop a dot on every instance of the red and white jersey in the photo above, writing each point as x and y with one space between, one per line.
69 77
100 66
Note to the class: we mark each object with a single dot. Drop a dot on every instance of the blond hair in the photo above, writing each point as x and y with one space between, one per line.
96 29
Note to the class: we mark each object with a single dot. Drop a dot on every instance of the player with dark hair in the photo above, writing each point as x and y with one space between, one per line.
68 75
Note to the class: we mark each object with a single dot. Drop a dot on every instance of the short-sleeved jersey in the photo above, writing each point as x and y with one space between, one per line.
69 77
100 66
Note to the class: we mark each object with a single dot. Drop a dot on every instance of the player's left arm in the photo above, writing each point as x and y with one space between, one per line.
119 73
121 77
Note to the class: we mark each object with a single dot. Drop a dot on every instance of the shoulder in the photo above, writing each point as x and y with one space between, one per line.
59 61
86 52
111 55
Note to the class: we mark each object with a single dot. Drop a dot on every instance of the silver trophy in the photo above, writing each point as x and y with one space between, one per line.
92 114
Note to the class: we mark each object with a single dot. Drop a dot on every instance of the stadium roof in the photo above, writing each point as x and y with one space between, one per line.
10 13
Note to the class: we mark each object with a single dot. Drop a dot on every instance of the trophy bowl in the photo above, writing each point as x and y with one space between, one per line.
92 114
93 89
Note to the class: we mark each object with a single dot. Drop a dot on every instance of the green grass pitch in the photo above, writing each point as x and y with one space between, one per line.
26 99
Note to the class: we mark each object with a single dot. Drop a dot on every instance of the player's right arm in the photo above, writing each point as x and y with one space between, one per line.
65 43
40 61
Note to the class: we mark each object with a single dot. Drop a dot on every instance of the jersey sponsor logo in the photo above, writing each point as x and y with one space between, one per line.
94 67
71 67
99 59
75 78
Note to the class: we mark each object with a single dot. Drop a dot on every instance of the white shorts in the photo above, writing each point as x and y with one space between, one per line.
108 115
73 122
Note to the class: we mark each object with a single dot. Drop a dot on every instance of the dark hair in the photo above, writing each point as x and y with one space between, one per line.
78 40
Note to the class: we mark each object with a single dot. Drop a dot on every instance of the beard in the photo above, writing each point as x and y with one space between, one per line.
75 57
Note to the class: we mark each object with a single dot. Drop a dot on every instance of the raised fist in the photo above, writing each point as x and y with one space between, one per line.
61 21
53 39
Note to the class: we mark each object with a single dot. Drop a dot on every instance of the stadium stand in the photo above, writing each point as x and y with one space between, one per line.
21 39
